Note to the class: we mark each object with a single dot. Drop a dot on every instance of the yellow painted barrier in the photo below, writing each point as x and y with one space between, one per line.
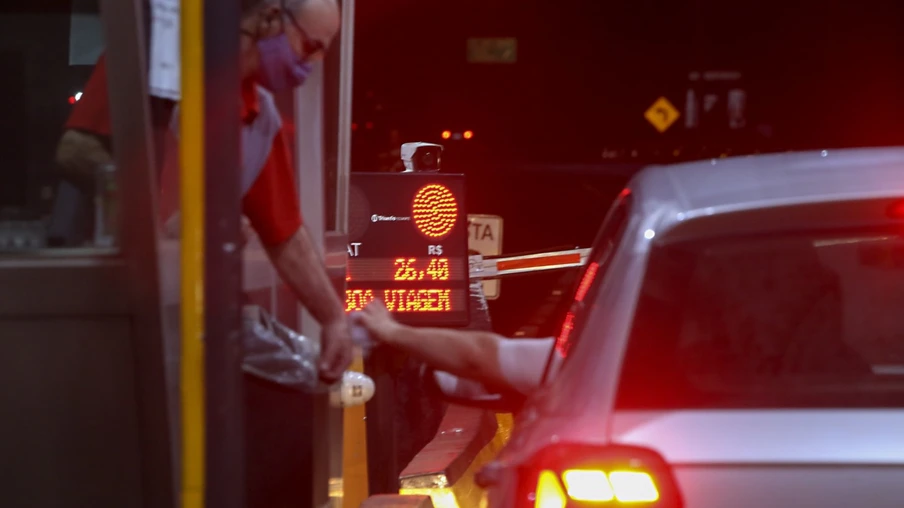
463 493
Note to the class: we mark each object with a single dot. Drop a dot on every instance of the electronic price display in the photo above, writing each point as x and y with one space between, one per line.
408 245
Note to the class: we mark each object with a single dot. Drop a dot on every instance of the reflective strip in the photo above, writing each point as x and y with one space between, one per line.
499 267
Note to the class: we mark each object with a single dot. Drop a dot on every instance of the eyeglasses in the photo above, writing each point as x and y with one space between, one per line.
309 45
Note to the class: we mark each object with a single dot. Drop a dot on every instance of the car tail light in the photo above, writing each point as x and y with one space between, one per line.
565 476
468 134
896 210
447 134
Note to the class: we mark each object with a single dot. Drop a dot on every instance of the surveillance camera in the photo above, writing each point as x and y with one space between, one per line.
422 157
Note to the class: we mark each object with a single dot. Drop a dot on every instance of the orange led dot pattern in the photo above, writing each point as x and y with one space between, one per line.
434 211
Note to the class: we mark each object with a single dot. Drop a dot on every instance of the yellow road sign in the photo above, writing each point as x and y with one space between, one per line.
662 114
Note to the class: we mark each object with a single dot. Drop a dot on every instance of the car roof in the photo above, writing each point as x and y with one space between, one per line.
760 181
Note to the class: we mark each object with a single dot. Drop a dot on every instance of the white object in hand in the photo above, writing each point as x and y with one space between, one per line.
355 389
360 336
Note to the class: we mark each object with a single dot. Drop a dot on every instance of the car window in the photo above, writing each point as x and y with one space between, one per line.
594 273
791 321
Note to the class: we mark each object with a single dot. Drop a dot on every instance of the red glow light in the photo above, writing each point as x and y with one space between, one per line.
468 134
434 211
72 99
586 280
447 134
562 343
562 340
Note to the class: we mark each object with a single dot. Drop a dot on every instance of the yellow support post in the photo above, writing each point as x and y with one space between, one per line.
353 486
191 133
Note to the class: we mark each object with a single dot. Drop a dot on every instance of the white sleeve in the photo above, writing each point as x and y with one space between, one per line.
522 361
458 387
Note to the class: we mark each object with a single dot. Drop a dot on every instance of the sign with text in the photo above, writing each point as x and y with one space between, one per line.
485 238
408 245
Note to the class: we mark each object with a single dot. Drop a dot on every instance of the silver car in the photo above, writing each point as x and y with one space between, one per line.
736 342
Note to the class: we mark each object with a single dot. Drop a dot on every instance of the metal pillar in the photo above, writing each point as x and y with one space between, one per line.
323 153
224 452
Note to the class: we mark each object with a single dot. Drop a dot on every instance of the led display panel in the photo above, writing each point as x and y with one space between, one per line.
408 245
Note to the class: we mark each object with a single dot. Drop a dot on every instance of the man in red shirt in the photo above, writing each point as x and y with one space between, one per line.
279 39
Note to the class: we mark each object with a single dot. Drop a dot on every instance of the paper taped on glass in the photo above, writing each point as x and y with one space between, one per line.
165 59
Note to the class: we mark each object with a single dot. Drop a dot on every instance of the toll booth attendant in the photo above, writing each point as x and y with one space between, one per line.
468 362
279 38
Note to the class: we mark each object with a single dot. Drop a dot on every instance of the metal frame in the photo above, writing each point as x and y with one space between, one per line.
323 135
344 148
125 33
309 160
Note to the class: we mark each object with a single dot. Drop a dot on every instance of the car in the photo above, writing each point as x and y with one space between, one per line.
737 340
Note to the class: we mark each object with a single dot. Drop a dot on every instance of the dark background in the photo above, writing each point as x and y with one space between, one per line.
817 74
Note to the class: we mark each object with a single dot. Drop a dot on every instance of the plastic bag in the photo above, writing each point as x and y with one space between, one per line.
278 354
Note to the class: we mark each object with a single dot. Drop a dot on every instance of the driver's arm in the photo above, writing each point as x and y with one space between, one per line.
521 366
463 353
494 361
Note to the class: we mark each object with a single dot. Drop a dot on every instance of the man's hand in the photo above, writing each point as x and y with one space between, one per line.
300 264
379 322
336 350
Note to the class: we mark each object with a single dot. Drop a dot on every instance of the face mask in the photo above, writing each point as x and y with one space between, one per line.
281 69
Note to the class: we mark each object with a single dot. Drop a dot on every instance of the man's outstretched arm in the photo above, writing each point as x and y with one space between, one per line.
301 267
464 353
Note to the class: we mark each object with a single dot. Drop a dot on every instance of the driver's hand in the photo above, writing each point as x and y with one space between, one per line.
378 322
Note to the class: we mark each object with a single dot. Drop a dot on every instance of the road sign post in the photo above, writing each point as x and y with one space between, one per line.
485 238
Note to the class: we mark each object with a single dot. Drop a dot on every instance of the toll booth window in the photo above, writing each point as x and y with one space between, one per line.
57 177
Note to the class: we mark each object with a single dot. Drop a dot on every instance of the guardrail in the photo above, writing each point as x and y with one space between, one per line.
444 469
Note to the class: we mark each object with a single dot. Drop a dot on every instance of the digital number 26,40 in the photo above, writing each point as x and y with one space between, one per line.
405 269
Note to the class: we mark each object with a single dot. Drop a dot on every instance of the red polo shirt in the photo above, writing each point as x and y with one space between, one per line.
272 202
